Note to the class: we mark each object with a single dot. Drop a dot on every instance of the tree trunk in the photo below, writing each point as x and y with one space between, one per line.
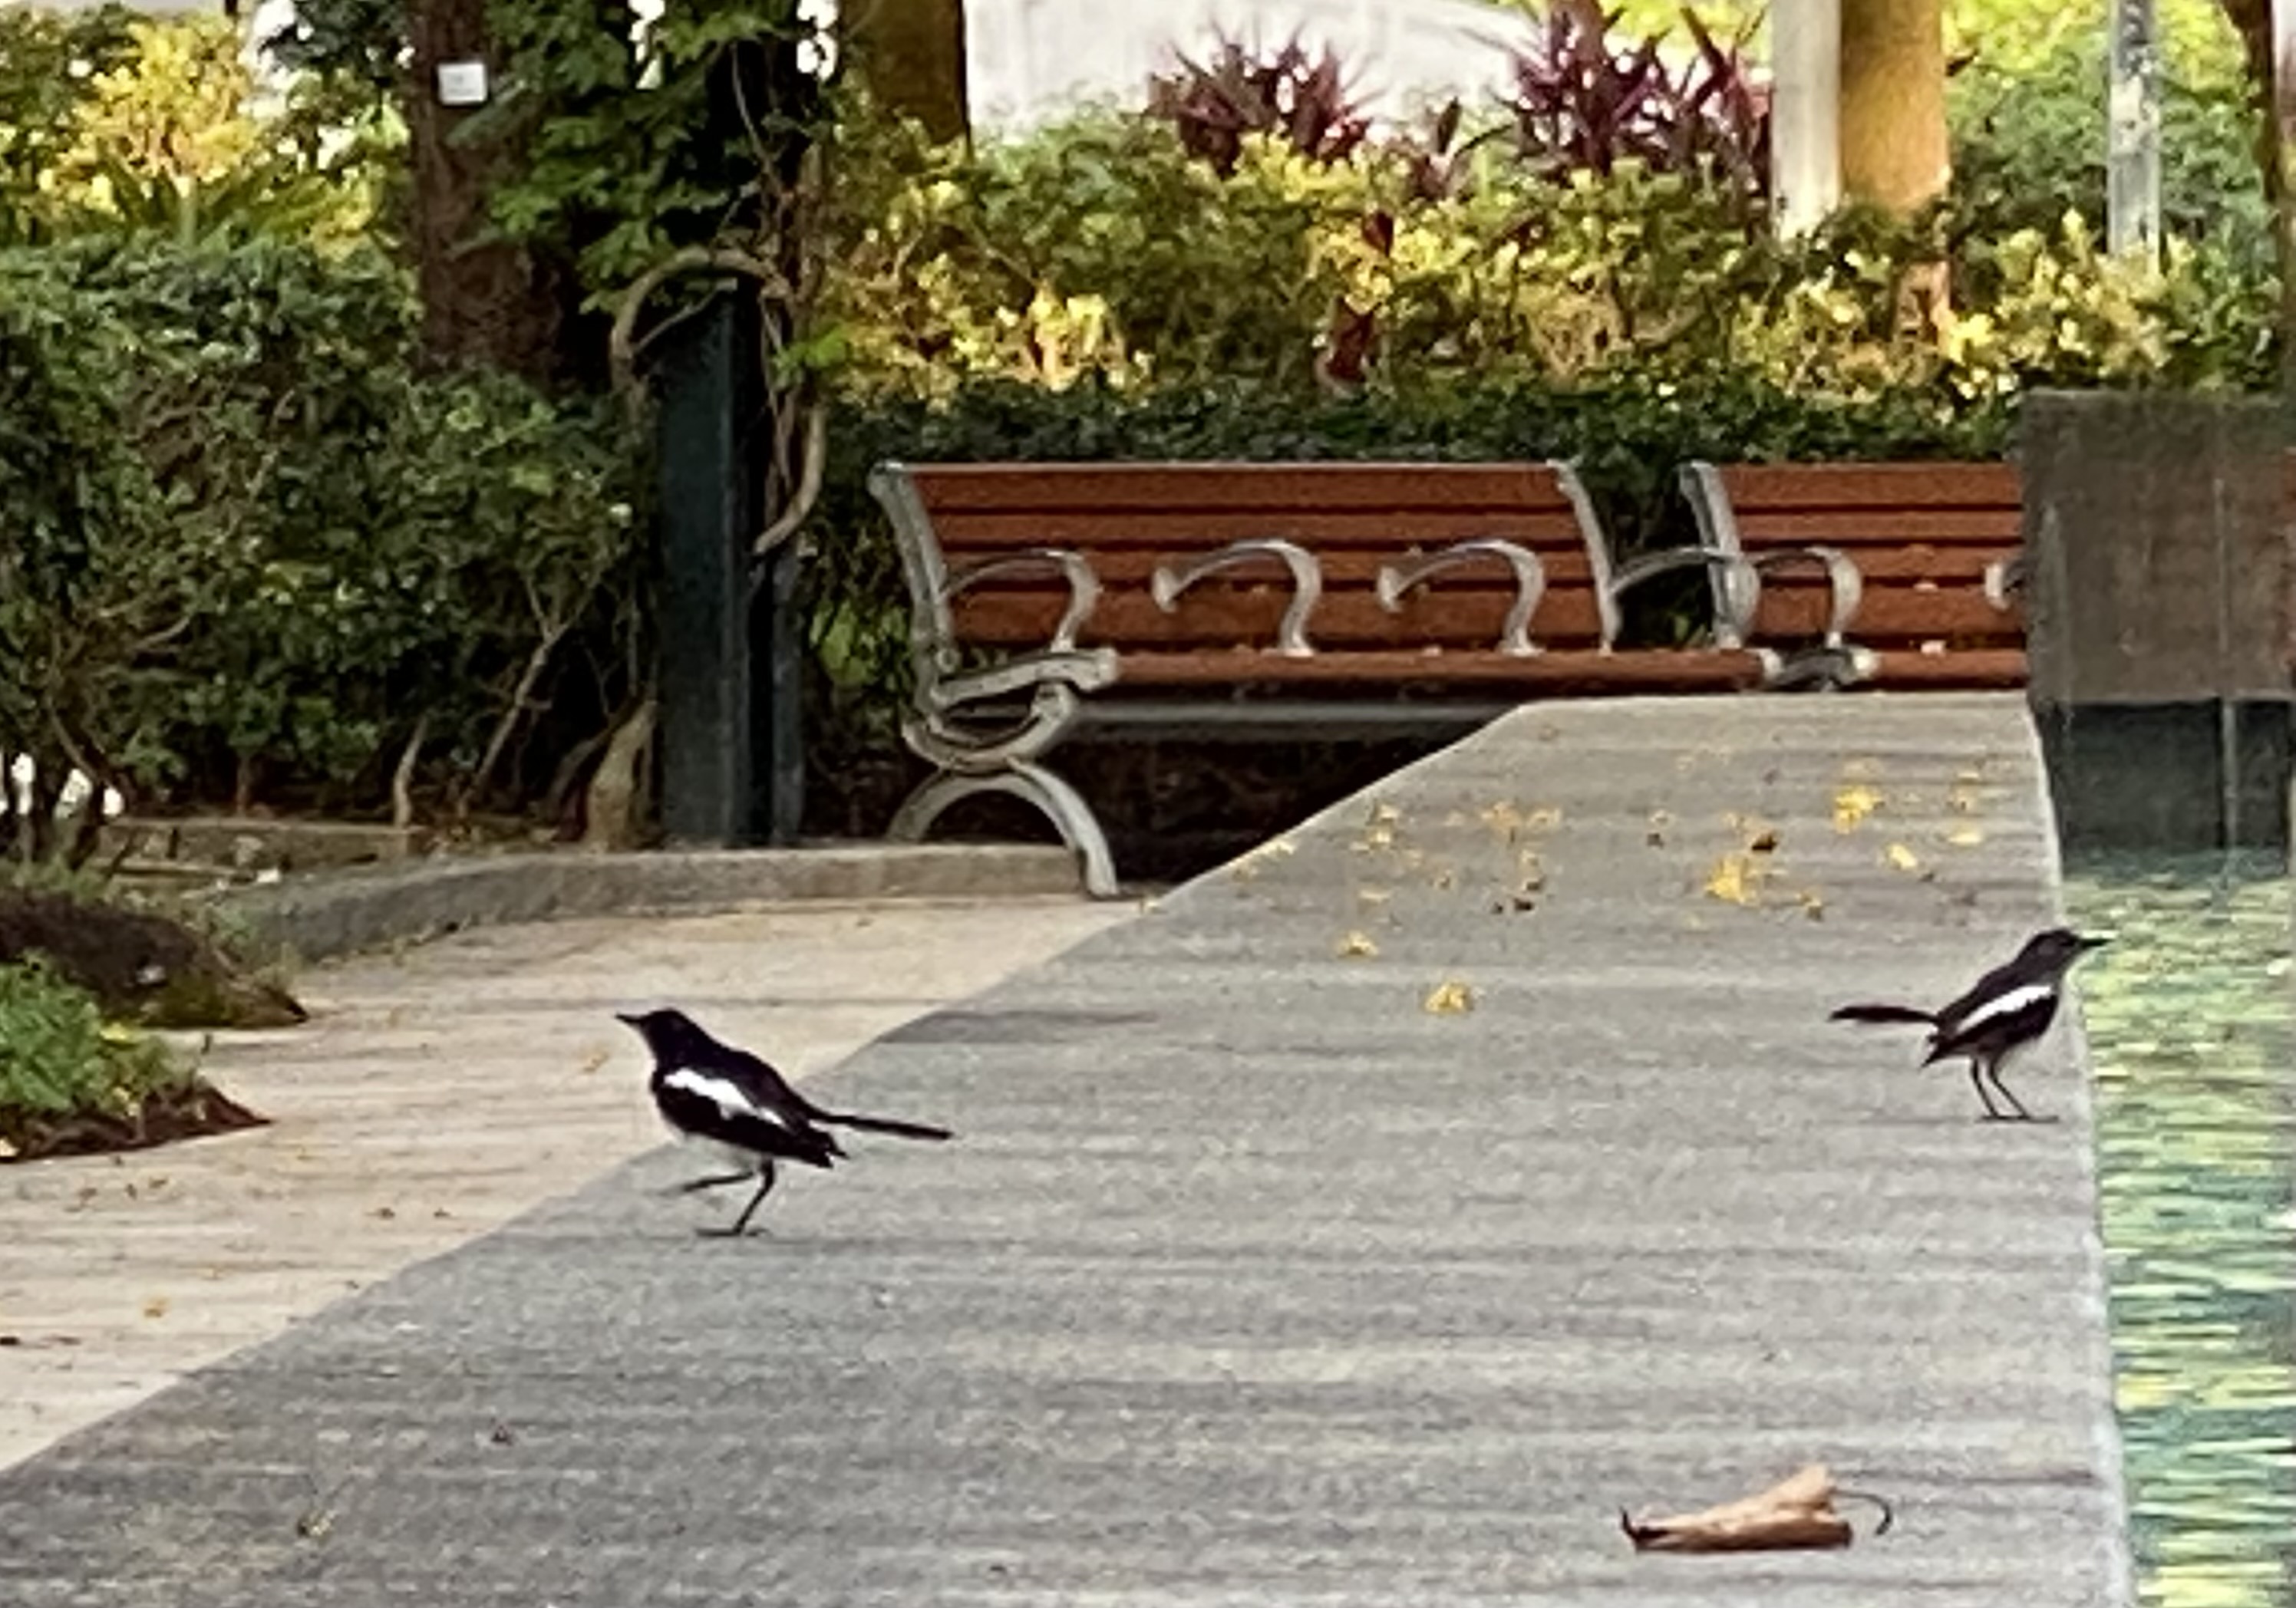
1893 136
912 53
481 304
2274 104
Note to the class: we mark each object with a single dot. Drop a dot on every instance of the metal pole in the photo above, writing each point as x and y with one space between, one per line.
709 514
1805 112
2132 189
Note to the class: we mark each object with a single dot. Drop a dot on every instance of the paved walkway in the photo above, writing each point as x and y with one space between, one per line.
437 1095
1252 1278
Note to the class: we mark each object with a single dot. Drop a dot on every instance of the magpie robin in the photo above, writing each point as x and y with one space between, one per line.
729 1099
2009 1009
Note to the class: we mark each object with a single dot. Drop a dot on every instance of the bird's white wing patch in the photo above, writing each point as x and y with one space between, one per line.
2002 1005
723 1093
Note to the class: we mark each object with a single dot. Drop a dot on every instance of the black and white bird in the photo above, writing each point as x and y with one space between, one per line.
2007 1010
731 1101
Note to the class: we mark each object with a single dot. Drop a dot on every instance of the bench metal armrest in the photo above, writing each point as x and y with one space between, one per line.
1084 586
1737 586
2004 578
1167 584
1078 669
935 737
1530 581
1847 585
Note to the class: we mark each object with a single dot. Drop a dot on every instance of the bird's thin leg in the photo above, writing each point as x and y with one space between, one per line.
1993 1114
715 1181
765 1187
2023 1115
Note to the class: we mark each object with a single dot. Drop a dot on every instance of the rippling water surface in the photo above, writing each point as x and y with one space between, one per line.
2191 1018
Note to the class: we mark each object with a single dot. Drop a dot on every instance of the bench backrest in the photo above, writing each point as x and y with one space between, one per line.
1129 519
1921 535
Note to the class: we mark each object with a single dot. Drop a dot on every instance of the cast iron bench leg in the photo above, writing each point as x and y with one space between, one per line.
1032 784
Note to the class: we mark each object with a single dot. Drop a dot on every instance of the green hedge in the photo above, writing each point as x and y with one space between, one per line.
252 549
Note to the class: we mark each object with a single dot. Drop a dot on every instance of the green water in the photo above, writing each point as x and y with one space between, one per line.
2191 1018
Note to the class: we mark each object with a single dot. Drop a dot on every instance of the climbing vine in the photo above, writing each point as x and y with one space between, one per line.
675 159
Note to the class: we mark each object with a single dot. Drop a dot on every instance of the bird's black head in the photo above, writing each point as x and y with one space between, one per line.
671 1034
2052 951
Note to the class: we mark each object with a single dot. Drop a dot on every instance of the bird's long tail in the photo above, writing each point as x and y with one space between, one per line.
1883 1013
884 1124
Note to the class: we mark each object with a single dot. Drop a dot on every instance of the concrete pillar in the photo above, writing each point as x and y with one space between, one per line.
1805 112
2132 199
2159 585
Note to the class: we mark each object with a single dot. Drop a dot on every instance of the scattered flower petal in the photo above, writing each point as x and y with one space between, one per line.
1852 805
1449 1000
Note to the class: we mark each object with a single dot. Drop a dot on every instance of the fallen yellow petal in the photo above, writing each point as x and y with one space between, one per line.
1449 1000
1357 946
1735 880
1898 855
1965 837
1852 805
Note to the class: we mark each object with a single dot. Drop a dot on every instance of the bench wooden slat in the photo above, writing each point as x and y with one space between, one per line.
1217 616
1348 567
1888 614
1170 488
1996 530
1391 531
1964 669
1937 486
1544 675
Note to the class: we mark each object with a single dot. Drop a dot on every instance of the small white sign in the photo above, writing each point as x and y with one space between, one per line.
461 83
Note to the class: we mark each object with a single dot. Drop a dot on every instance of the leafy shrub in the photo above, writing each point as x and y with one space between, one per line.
1298 98
1584 104
261 553
114 123
58 1058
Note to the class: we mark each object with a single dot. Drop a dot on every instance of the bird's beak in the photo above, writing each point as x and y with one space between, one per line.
627 1021
2089 943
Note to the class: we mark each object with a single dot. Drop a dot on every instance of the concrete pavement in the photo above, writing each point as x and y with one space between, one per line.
435 1095
1365 1225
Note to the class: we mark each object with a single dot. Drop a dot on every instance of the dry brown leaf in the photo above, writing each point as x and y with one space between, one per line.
157 1307
1357 946
594 1060
1812 904
1449 1000
1796 1513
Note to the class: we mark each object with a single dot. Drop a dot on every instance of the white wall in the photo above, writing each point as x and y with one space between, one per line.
1029 60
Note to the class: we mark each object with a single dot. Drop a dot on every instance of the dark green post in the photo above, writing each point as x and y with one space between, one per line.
711 708
777 646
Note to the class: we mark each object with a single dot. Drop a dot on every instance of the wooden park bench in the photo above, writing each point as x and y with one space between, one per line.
1211 600
1903 575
